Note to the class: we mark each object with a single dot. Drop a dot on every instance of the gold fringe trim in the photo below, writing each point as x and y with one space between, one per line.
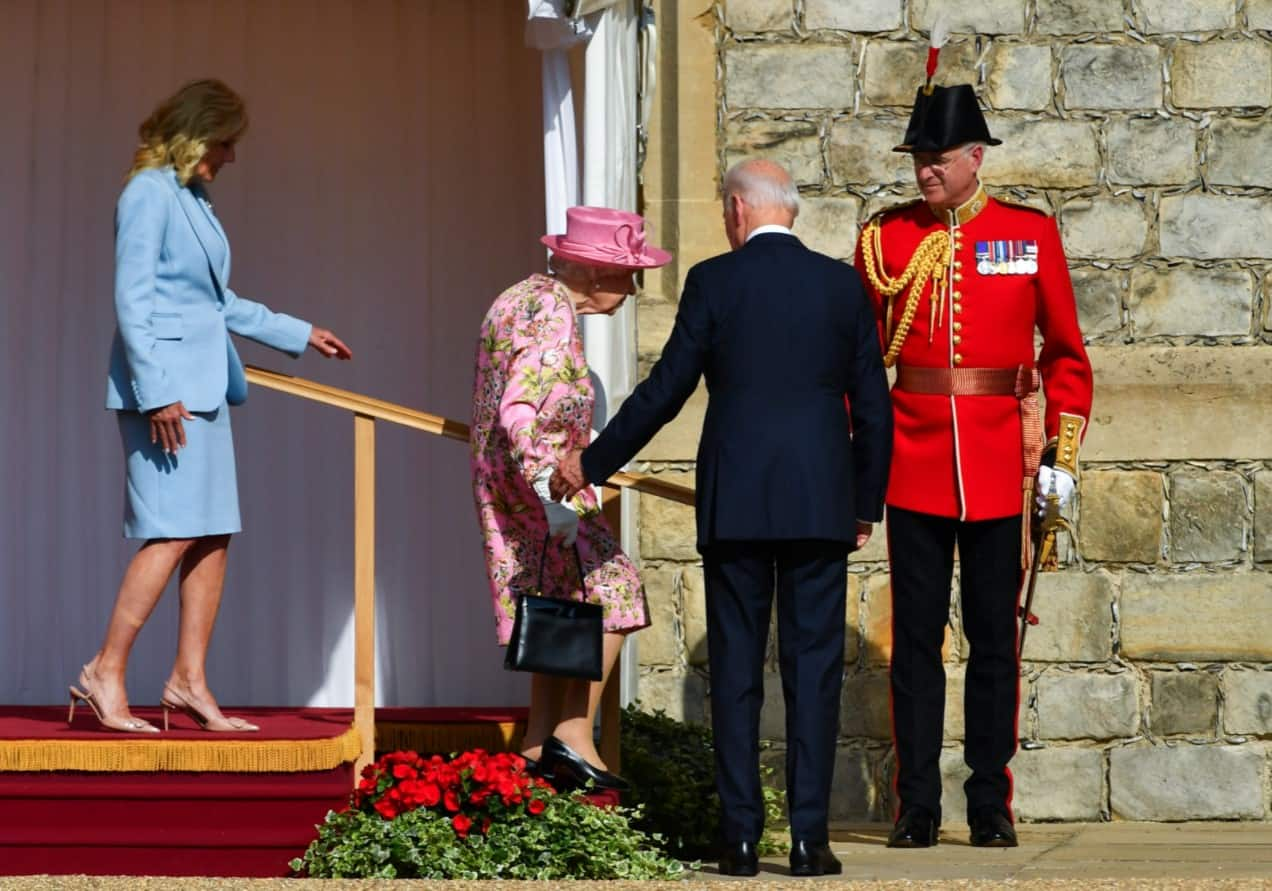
230 756
443 739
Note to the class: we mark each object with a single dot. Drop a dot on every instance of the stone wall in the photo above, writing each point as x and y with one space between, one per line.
1143 125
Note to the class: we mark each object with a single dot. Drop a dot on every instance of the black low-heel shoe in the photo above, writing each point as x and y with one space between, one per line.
568 768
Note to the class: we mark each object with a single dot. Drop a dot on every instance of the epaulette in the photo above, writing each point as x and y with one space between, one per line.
1015 202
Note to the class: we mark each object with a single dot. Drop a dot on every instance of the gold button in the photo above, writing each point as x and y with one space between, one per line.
958 264
957 295
958 276
958 307
958 357
958 326
958 338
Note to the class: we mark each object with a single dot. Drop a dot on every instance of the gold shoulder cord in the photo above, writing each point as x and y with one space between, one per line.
930 262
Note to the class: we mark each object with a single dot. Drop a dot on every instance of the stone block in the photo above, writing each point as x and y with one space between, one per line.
1121 516
1104 228
667 529
893 69
1221 73
659 644
852 620
1099 296
682 696
1259 14
773 712
852 15
1079 17
955 690
1263 516
1207 516
693 603
829 225
988 17
1180 403
678 441
954 773
654 321
796 145
878 640
1186 782
1165 301
1152 151
797 76
1058 783
1079 705
1019 77
1075 618
760 15
876 550
865 711
1240 153
852 791
1042 154
1164 16
861 153
1215 227
1184 702
1197 617
1247 701
1107 76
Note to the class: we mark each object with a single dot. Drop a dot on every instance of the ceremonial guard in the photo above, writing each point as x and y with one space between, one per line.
962 283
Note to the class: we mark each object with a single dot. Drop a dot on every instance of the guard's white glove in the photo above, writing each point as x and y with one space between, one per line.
1053 479
563 522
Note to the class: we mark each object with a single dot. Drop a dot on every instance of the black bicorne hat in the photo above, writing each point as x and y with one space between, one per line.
946 117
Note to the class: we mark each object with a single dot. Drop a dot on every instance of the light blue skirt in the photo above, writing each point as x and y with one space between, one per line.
187 495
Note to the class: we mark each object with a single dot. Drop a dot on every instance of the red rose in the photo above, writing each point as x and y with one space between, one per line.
387 809
403 772
451 800
430 794
535 806
462 824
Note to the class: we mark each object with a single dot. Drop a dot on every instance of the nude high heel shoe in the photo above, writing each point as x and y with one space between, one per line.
174 700
85 692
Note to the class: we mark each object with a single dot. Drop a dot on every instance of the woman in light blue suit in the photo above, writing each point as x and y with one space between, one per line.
174 373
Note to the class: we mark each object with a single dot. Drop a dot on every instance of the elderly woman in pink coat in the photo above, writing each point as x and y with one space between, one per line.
532 404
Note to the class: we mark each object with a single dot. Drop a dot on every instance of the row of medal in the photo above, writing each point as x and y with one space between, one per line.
1006 257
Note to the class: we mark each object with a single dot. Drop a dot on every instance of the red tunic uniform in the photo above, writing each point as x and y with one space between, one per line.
961 456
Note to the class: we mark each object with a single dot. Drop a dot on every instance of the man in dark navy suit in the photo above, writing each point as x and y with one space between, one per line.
789 480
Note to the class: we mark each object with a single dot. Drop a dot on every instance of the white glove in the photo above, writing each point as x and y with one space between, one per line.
1053 479
563 522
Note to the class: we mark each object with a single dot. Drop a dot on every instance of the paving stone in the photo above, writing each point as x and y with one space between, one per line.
1058 783
1240 153
861 152
1075 618
1103 76
1019 77
760 15
1079 17
1221 73
1104 228
796 145
1184 702
1165 301
1247 701
1042 154
1099 293
802 76
1197 617
1207 516
852 15
1259 14
1186 782
829 225
1215 227
1081 705
1152 151
1121 516
1163 16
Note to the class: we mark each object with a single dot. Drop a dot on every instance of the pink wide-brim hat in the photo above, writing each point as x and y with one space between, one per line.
601 236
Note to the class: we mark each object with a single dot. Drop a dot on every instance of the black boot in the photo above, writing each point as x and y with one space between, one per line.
916 828
991 829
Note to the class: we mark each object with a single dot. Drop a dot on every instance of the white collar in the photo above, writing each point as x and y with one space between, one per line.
771 228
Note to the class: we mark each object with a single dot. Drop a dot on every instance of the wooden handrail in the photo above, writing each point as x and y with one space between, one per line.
435 424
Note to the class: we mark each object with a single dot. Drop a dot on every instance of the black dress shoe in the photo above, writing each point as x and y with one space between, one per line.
991 829
565 768
739 859
916 828
813 859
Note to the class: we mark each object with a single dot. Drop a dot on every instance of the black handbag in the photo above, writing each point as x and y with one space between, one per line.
551 635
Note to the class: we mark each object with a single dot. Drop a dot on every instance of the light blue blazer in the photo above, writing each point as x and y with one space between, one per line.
174 306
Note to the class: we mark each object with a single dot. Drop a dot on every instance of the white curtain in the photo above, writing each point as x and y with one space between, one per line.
390 186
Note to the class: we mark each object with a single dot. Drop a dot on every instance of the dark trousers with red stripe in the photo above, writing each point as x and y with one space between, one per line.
810 579
921 552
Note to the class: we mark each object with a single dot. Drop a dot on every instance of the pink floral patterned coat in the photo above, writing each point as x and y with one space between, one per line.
532 403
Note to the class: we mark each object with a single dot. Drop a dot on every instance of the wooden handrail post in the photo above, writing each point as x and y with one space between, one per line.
611 697
364 587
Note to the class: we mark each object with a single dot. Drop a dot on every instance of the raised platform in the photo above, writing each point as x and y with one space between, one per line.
80 800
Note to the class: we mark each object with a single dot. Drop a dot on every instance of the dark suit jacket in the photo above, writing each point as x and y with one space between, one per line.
783 335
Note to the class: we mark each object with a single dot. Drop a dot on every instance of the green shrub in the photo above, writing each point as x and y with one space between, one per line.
671 766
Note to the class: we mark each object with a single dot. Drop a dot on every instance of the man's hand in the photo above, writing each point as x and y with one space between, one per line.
328 344
166 428
864 531
1053 479
568 479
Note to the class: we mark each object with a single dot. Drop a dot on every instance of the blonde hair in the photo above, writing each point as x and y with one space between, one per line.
180 131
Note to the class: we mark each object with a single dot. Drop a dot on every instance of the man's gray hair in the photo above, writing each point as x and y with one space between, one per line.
762 183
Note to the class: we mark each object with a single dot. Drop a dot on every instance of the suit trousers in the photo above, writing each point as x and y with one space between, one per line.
921 553
810 577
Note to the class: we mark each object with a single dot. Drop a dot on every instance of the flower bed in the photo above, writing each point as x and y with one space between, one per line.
476 816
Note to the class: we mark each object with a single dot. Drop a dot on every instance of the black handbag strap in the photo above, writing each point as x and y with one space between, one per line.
578 562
